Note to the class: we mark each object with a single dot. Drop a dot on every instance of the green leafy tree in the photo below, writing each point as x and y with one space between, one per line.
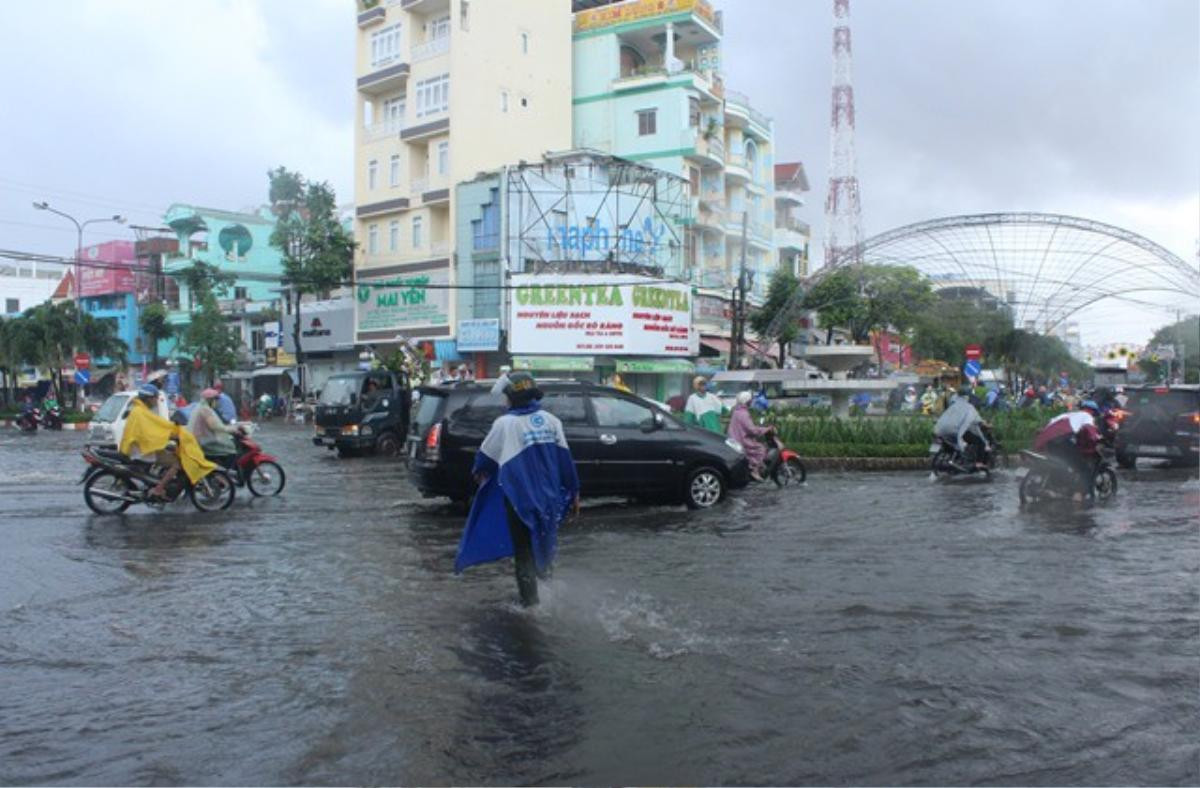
318 253
895 298
1184 337
10 361
155 327
838 302
780 292
209 338
203 280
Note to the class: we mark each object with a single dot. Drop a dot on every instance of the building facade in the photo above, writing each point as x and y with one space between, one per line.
648 87
445 89
792 234
25 285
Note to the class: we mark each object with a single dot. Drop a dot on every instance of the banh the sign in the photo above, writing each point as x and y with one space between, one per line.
621 13
635 366
554 363
599 315
403 303
478 336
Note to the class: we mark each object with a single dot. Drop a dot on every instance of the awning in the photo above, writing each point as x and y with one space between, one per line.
668 366
555 363
264 372
715 346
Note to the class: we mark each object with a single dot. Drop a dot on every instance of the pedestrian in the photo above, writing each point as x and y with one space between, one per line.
703 408
527 487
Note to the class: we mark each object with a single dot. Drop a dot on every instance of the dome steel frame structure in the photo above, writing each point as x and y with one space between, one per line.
1047 267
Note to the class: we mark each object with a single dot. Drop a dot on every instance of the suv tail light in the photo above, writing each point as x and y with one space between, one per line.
433 443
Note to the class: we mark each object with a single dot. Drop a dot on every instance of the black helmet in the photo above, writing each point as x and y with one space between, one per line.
521 389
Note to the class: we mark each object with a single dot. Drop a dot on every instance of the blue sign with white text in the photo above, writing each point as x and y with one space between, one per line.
478 336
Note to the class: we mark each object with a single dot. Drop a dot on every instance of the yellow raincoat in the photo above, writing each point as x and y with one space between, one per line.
148 432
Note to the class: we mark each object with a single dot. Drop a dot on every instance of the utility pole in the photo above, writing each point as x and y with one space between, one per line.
739 306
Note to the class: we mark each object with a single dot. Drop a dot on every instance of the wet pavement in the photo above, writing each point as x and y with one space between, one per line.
866 629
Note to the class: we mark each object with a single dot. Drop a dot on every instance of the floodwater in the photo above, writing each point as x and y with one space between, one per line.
865 629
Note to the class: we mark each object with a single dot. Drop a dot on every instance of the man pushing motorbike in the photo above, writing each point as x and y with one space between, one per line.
152 435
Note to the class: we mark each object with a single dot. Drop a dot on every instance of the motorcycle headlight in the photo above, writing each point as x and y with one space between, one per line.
731 443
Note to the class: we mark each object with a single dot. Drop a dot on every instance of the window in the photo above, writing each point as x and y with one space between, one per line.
443 158
464 15
417 225
385 45
504 101
393 235
394 171
693 112
568 406
257 342
433 95
393 112
524 101
11 305
373 239
239 293
647 122
621 413
372 172
439 28
524 43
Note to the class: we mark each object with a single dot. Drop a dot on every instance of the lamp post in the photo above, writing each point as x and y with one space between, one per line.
45 206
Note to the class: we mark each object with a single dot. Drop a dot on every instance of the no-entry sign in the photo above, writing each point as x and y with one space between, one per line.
82 361
974 352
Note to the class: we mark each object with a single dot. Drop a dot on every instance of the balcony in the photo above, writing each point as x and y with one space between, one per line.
739 113
789 196
386 77
425 6
737 169
787 238
428 126
705 151
430 49
703 80
383 130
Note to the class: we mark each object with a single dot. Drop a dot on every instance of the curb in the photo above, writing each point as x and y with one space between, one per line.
879 463
76 426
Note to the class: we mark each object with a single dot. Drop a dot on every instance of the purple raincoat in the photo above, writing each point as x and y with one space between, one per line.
743 430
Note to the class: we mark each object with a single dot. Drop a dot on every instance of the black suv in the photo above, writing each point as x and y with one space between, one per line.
1162 422
363 411
622 444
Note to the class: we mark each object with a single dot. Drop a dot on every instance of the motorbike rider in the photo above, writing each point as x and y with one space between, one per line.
150 434
962 425
1074 439
214 435
750 436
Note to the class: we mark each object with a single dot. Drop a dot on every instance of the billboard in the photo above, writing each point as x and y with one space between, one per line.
403 303
599 315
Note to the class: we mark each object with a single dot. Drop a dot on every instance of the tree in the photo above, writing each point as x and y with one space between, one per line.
782 287
1184 337
318 253
155 327
203 280
895 298
838 302
10 362
211 339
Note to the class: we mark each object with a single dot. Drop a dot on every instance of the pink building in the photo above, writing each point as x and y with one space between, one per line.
112 267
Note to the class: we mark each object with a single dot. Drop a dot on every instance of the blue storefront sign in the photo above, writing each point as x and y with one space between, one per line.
478 336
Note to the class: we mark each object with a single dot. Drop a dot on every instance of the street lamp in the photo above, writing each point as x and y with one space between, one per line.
45 206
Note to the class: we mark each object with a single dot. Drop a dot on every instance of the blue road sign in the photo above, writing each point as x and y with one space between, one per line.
82 377
972 368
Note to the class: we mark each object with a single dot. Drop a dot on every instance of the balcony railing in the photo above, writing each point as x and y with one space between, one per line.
734 97
430 49
383 129
795 225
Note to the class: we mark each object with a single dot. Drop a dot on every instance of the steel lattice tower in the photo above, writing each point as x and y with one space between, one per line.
843 210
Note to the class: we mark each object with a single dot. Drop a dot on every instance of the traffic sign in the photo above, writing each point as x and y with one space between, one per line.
82 377
972 368
82 360
974 352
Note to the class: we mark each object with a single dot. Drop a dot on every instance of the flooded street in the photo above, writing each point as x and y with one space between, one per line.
868 629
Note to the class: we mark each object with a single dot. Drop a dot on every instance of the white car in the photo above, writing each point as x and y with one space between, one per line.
108 425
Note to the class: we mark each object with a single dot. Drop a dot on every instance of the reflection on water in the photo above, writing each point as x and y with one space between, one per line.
862 629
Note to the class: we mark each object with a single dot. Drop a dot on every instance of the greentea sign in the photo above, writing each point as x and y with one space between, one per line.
402 303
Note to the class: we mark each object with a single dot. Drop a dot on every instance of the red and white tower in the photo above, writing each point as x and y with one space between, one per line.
843 210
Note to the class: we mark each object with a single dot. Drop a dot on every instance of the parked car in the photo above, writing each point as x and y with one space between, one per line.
1162 422
363 411
623 445
108 423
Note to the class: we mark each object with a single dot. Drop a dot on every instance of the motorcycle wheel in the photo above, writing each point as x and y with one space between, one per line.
99 487
1031 488
1105 484
940 465
212 493
266 479
793 472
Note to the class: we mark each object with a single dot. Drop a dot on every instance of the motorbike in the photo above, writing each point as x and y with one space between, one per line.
113 482
29 420
948 461
1048 478
253 468
52 419
782 465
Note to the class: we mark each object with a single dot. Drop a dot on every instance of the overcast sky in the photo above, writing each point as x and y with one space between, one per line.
1083 107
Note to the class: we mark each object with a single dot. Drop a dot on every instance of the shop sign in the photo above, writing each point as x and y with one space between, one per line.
271 332
554 363
651 365
622 13
478 336
713 311
599 315
402 303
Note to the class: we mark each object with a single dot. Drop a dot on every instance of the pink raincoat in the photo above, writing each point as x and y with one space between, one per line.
743 430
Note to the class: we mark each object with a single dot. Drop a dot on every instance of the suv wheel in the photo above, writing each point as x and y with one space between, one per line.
388 445
705 488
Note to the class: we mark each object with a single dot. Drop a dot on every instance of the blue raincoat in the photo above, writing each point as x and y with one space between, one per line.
528 463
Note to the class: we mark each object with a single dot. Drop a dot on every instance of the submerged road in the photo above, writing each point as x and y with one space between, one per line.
867 629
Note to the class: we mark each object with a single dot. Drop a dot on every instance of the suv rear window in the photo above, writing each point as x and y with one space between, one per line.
1167 404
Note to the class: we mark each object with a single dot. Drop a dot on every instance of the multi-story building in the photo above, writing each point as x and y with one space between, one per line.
446 89
112 286
792 234
234 243
648 88
25 285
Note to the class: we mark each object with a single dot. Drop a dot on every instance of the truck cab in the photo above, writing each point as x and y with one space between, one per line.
365 411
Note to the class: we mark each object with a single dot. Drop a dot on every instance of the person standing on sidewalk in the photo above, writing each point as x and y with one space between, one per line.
527 487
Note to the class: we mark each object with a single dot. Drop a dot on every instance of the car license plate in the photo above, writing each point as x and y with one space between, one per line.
1144 449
